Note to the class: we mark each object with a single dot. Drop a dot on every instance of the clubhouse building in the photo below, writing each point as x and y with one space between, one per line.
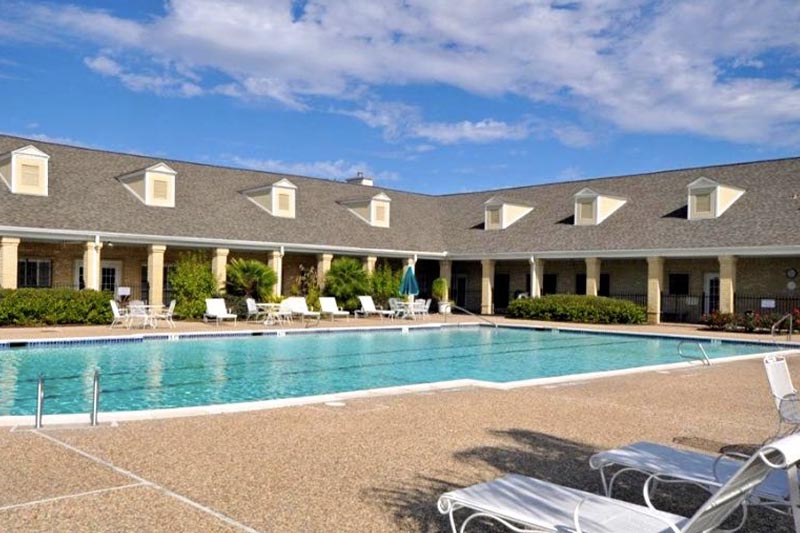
682 242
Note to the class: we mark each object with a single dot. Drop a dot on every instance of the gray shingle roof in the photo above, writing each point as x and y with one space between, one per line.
84 195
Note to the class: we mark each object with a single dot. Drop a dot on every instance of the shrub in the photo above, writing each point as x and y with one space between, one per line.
306 285
192 282
346 280
250 278
385 284
38 307
576 308
750 322
439 288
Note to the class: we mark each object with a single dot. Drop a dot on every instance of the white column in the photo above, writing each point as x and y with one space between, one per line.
91 265
655 283
323 265
369 264
592 276
276 264
219 267
537 272
9 247
446 273
487 287
727 283
155 273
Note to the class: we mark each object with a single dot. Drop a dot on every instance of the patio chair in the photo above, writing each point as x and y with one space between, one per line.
368 308
166 315
253 312
118 317
216 310
329 307
298 307
539 506
783 393
672 465
137 312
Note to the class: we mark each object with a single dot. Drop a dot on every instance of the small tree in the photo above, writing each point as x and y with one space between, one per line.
439 289
306 285
385 284
346 280
192 282
251 278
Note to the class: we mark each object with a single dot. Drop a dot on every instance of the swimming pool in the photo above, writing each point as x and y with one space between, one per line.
221 370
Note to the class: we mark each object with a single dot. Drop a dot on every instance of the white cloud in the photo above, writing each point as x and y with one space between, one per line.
640 65
142 82
338 169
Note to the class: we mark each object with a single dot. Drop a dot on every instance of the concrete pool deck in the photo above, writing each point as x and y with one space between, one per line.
375 464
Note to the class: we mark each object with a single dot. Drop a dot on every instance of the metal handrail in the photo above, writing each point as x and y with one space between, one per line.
40 400
95 398
481 317
772 330
704 359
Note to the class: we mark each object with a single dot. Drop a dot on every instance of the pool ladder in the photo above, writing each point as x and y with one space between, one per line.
95 400
480 317
703 358
788 317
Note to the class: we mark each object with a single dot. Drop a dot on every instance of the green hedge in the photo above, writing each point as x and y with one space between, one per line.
40 307
576 308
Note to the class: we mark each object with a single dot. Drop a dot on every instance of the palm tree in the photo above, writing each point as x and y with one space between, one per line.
346 280
251 278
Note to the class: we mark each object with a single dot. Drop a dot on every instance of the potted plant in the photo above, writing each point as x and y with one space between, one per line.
439 290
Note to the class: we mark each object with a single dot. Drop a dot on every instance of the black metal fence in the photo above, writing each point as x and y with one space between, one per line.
639 299
686 307
138 291
744 303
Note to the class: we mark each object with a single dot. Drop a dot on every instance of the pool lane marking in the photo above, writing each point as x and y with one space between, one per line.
184 499
70 496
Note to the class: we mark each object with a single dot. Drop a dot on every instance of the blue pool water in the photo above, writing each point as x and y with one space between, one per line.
161 374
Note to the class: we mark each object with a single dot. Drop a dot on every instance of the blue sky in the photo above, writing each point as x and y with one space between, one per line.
422 96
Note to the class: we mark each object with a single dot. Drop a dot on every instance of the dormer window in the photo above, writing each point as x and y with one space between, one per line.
375 210
592 208
153 186
500 213
709 199
278 199
25 171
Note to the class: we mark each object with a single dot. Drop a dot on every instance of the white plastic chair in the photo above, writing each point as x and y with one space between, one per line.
253 312
137 312
216 310
119 317
166 315
522 502
329 307
783 393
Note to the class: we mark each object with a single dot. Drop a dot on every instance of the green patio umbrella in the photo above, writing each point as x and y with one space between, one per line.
409 285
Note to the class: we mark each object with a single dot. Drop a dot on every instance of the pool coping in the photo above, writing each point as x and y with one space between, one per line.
18 421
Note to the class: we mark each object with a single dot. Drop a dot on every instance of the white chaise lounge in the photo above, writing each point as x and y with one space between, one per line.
298 306
216 311
665 463
368 308
533 505
329 307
